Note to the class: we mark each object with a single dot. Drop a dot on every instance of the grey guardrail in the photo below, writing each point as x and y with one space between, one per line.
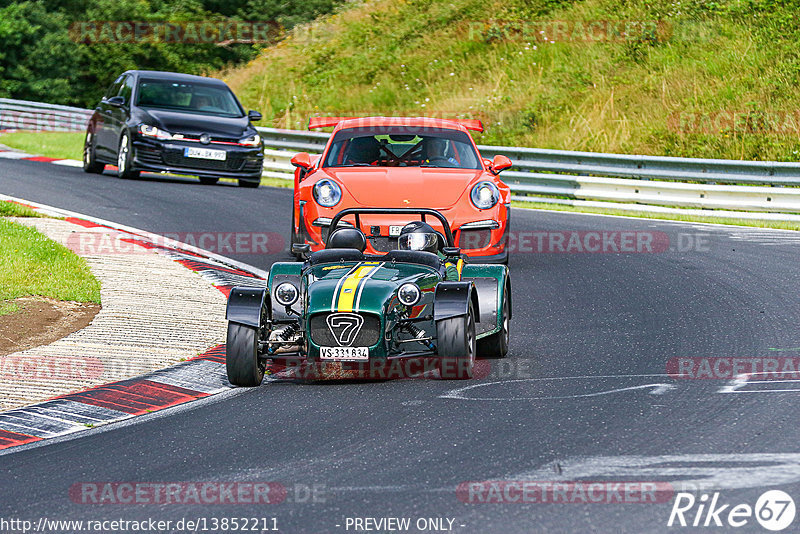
38 116
541 175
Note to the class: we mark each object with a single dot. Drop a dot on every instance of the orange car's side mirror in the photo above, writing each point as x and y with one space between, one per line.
500 163
303 159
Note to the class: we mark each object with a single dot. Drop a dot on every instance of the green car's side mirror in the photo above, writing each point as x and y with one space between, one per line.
451 251
301 249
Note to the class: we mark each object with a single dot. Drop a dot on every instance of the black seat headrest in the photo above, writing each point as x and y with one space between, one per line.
347 238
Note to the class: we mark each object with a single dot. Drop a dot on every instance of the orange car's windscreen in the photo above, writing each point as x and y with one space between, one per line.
402 146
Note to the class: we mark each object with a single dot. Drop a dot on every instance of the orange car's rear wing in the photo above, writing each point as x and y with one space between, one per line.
325 122
328 122
471 124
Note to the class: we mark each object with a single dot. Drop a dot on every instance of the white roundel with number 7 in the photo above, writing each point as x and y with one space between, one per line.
345 327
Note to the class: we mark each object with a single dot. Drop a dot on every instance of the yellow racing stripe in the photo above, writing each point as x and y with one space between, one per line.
349 288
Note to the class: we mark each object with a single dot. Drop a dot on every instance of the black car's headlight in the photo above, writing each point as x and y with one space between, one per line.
253 140
484 195
152 131
327 193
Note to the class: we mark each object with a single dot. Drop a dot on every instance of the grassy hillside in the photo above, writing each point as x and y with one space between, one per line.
699 78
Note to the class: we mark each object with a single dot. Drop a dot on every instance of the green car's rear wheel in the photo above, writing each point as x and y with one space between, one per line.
241 356
496 345
456 346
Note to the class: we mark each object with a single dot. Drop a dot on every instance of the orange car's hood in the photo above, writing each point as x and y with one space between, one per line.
404 187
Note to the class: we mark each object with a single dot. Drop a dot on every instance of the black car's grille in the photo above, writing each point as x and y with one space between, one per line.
368 336
472 239
176 158
253 165
149 155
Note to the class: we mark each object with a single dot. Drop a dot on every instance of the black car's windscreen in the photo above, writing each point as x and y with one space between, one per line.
187 97
402 146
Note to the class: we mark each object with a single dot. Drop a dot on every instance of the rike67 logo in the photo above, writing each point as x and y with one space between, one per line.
774 510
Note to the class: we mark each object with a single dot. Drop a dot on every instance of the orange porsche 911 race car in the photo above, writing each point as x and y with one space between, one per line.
404 163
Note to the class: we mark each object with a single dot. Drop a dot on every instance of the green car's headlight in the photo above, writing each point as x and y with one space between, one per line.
327 193
286 294
409 294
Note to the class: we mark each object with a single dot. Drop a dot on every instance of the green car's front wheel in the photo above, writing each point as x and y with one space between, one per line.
456 346
496 345
241 356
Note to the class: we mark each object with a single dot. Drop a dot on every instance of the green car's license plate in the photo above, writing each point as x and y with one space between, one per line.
344 354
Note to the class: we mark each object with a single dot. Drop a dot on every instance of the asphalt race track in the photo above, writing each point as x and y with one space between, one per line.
584 395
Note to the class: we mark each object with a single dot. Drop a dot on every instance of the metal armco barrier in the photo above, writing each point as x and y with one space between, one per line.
628 182
24 115
614 178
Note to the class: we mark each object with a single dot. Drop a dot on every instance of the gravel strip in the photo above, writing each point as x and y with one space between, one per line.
155 312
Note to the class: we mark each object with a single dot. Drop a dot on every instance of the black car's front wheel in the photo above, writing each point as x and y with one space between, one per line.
241 356
125 159
90 163
456 346
248 183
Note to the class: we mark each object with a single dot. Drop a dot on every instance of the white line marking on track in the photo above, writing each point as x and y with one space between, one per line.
658 388
741 381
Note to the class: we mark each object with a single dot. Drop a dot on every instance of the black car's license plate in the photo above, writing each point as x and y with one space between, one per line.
205 153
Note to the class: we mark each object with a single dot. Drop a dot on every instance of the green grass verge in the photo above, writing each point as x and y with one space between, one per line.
11 209
59 145
32 264
782 225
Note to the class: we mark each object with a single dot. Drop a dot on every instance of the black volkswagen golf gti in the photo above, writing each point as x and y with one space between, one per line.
168 122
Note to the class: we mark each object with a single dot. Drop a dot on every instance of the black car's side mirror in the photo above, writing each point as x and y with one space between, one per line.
451 251
254 115
301 249
116 101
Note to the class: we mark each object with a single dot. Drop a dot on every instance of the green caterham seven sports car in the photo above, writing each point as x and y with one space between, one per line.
419 310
